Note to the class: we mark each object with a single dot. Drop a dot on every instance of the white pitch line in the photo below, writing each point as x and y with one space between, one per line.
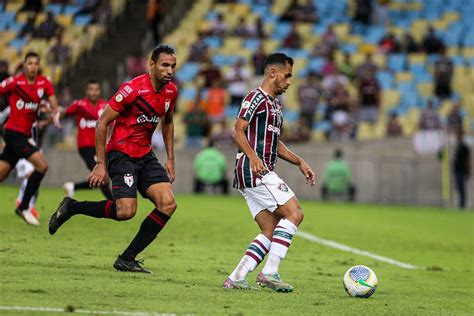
343 247
80 311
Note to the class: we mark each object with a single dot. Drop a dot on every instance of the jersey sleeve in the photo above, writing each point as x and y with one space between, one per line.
7 85
123 98
72 108
49 89
250 105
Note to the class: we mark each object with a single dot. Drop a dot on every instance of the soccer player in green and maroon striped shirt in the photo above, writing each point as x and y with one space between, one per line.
272 203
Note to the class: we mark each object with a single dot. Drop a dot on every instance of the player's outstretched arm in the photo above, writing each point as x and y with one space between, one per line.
286 154
238 133
167 129
99 174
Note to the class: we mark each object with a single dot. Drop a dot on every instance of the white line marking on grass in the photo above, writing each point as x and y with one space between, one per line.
80 311
343 247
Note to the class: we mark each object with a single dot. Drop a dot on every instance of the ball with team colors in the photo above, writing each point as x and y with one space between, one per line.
360 281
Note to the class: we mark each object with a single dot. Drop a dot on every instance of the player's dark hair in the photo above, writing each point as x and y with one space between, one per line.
92 81
31 54
162 49
277 58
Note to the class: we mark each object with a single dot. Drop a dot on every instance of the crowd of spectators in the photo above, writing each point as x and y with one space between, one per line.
342 94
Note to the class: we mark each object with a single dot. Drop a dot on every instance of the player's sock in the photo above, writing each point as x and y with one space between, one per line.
33 200
149 229
282 236
255 253
81 185
106 192
32 186
21 192
99 209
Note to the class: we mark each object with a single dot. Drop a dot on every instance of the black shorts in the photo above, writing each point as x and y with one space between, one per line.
17 146
129 174
88 155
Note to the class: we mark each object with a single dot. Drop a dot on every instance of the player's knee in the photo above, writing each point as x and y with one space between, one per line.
125 212
169 207
43 168
296 217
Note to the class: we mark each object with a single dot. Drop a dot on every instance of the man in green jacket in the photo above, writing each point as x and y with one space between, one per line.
337 178
210 167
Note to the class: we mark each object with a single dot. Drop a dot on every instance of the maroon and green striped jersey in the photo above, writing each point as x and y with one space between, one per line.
264 115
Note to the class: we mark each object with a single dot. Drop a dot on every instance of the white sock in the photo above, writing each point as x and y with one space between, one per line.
21 192
282 236
255 253
33 200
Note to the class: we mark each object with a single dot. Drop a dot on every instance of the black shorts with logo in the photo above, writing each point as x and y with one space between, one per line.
17 146
131 174
88 155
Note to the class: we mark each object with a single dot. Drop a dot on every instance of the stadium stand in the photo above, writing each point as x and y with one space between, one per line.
80 32
406 76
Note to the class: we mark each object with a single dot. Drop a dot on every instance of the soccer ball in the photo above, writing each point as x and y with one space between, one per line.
360 281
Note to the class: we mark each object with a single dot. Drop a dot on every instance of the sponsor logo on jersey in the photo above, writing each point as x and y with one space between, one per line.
245 105
273 129
83 123
141 91
168 91
255 102
167 105
20 104
146 119
40 92
128 89
128 178
119 97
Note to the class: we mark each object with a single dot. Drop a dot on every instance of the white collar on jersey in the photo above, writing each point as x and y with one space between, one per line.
272 99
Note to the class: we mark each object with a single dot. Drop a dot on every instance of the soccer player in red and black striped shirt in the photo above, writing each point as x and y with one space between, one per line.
272 203
137 108
26 91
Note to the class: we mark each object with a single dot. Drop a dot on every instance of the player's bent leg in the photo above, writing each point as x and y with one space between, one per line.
122 209
291 216
34 180
255 252
161 194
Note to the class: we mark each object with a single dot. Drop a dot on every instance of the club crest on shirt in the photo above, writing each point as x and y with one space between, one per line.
119 98
167 105
128 178
40 92
283 187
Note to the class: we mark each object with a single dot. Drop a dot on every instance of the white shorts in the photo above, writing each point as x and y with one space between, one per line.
24 168
270 192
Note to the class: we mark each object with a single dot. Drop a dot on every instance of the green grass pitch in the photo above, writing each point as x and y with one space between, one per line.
206 238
